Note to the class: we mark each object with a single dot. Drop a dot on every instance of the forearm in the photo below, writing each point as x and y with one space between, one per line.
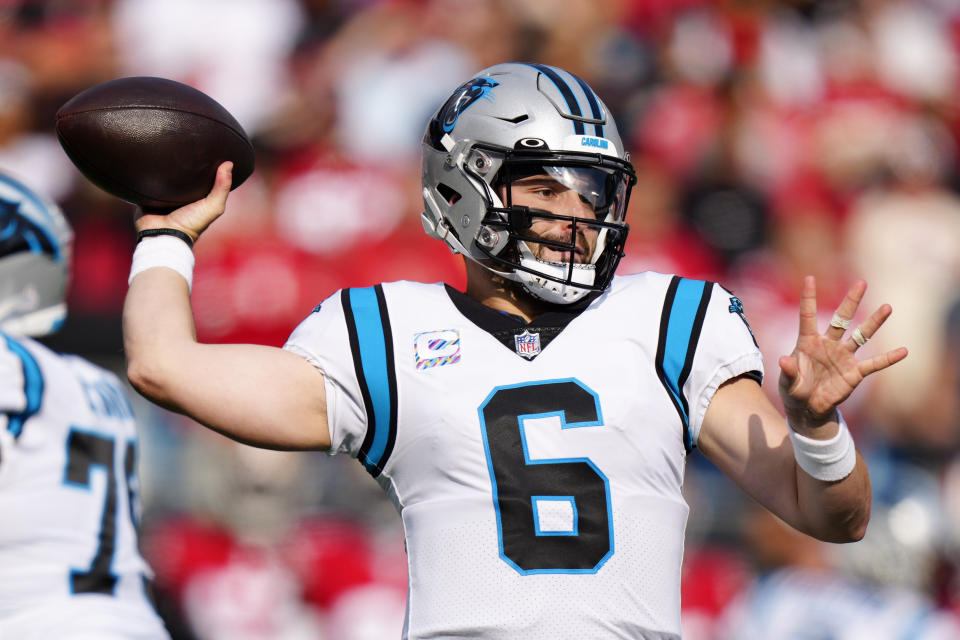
829 510
259 395
158 329
762 462
834 511
833 483
254 394
748 439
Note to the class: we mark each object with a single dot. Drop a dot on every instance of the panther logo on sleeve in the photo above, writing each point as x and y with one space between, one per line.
736 306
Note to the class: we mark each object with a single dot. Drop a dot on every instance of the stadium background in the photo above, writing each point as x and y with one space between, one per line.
772 139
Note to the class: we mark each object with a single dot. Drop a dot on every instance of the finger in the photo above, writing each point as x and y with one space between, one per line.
808 307
882 361
789 366
869 326
221 186
846 310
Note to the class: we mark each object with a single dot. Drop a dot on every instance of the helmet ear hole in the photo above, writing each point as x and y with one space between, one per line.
449 194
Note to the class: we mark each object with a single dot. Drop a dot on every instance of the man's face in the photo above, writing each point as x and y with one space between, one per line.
546 193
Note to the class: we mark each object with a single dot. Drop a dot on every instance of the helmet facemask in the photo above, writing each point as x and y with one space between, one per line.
559 252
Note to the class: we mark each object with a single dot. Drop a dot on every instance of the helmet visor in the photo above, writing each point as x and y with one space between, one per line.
589 184
601 190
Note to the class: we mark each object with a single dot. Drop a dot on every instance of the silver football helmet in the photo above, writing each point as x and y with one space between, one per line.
509 123
35 246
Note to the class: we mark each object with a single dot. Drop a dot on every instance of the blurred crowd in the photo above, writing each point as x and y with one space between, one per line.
772 139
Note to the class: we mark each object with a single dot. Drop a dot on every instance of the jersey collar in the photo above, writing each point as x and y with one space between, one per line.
506 327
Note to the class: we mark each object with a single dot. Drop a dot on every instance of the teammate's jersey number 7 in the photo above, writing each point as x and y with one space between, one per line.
85 451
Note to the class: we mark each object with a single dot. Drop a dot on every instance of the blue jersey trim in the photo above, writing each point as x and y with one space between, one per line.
32 387
684 309
372 345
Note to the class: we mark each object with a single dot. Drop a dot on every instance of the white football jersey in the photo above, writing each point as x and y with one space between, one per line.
69 562
537 467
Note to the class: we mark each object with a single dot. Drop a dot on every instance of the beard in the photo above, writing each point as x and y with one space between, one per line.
581 255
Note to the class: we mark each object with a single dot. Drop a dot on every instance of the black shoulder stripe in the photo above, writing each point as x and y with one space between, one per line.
371 343
681 323
679 402
391 377
358 364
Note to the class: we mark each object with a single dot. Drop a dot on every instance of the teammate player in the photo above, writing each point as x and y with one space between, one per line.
533 430
69 564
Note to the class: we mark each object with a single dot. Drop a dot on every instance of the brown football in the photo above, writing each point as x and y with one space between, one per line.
152 141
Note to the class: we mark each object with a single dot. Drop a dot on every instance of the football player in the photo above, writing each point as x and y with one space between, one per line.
69 563
533 429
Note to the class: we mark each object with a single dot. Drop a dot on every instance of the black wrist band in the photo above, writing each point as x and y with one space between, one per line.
148 233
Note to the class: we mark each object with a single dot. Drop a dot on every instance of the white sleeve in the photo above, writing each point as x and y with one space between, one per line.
324 341
726 349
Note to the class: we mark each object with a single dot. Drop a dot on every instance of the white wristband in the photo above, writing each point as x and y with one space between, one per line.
827 460
163 251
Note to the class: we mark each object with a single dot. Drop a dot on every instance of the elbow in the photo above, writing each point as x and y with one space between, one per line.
852 533
853 522
158 369
859 527
857 534
850 527
146 376
856 529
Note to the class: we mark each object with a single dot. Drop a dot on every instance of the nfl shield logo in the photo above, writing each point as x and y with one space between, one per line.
527 344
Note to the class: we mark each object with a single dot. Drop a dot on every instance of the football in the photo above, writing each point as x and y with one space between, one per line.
152 141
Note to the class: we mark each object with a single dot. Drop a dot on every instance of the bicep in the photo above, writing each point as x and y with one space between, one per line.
746 437
258 395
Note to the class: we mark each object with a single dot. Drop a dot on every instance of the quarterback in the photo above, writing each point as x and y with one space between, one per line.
532 430
69 563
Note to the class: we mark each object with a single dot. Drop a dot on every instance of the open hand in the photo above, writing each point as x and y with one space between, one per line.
823 369
193 218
